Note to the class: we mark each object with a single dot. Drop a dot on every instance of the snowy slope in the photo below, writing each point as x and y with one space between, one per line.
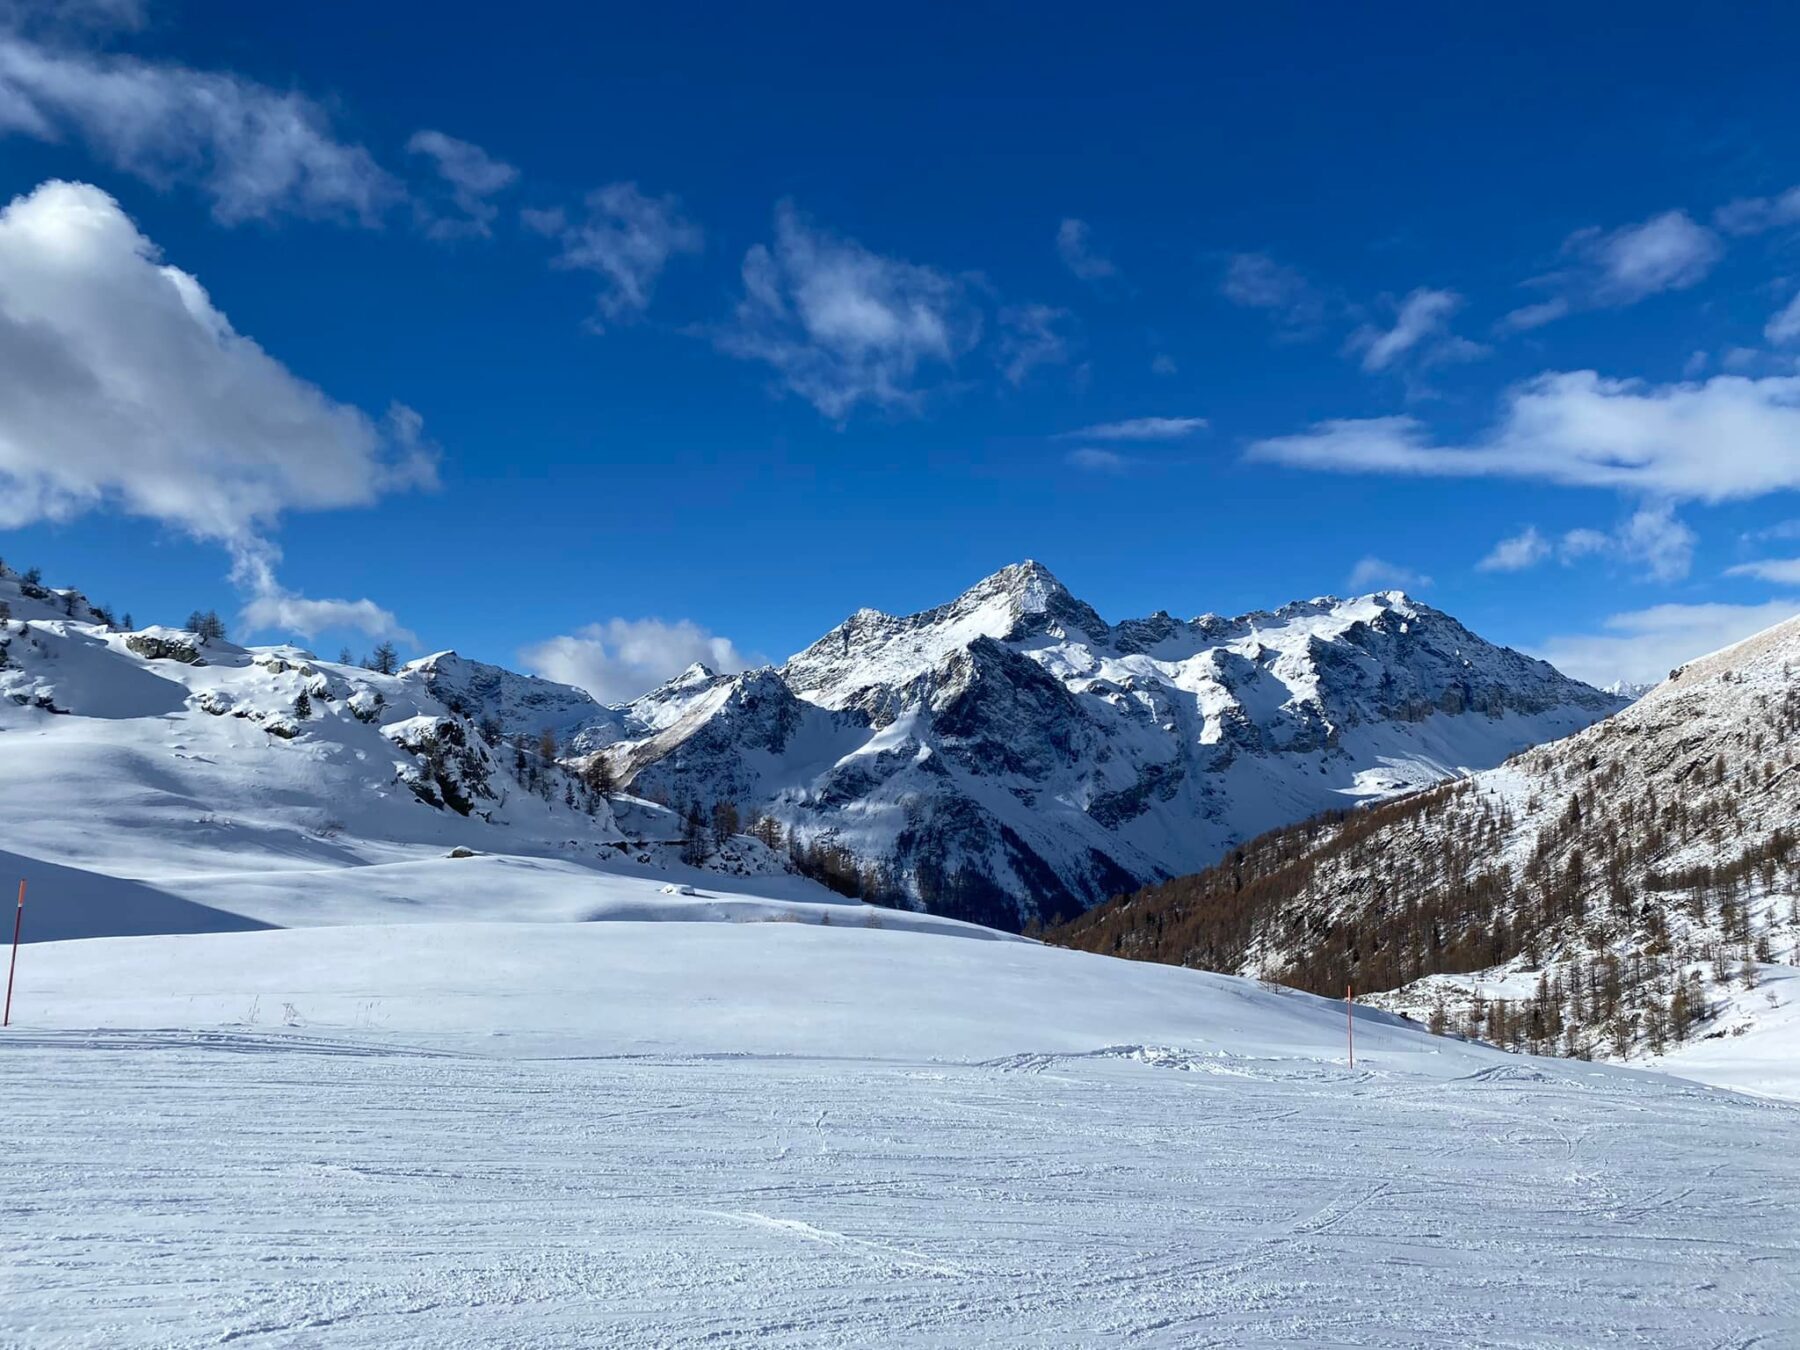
1011 755
335 1086
541 1135
1004 757
1632 891
153 782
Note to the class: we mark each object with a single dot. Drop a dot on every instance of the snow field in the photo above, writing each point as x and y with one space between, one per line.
655 1134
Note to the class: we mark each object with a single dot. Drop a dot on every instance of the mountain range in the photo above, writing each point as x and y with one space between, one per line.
1012 756
1007 758
1631 890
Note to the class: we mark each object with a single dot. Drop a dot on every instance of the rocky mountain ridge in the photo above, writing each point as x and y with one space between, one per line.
1009 756
1626 891
1006 757
211 755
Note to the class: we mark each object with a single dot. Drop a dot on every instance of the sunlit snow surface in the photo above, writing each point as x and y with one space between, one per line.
779 1134
531 1098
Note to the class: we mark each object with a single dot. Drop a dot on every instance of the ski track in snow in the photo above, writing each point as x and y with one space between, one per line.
179 1189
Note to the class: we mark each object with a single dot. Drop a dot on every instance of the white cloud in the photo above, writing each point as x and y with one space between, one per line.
1029 339
1257 281
619 659
273 607
1098 461
1377 574
1781 571
1651 539
122 385
257 152
1729 437
1141 429
1535 316
1785 325
1781 529
1075 246
627 239
1423 317
1643 646
1656 541
289 613
1755 215
473 177
1522 551
1665 253
1421 330
1612 269
841 325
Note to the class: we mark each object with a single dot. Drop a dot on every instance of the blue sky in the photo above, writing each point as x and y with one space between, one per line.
616 338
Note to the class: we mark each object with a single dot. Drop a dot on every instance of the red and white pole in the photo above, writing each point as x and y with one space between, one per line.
13 968
1350 1021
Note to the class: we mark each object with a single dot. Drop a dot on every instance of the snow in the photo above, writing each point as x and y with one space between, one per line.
542 1134
1013 735
300 1058
1753 1044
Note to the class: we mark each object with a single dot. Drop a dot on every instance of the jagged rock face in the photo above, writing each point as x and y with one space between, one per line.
1011 755
521 705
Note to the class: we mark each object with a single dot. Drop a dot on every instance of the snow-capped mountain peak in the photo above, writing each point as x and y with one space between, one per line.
1621 891
1010 752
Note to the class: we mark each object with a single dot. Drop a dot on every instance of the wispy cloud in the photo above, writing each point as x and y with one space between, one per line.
1517 553
255 151
1756 215
841 325
1728 438
1140 429
1650 539
1257 281
1781 529
626 239
1075 246
473 179
1420 332
1784 326
1031 336
1782 571
1613 269
1642 646
1373 574
1096 460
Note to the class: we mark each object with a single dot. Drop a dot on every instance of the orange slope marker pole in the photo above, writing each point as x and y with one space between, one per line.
1350 1021
13 968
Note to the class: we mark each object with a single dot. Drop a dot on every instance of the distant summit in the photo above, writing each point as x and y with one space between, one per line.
1010 755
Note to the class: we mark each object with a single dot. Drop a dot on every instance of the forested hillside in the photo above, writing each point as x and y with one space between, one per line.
1615 892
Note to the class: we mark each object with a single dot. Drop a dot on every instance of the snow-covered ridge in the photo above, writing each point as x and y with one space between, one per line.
1011 755
1007 756
1631 890
157 780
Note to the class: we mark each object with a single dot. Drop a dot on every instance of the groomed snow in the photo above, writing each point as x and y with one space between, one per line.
776 1134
